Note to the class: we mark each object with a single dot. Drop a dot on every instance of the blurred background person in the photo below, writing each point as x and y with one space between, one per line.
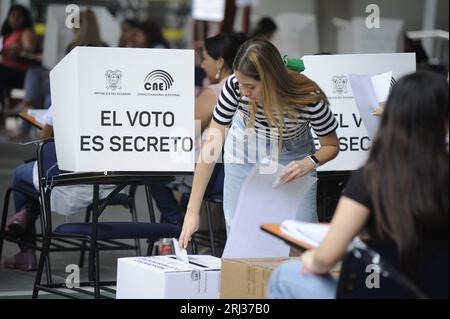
149 35
128 28
88 34
18 41
265 29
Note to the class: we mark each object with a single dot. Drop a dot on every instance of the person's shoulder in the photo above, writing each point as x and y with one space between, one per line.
208 96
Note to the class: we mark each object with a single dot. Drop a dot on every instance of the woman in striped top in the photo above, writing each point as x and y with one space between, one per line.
270 111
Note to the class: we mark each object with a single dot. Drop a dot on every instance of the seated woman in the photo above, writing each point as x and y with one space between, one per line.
18 42
400 195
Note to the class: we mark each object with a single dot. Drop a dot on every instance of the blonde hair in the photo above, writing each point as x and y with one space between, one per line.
284 92
89 31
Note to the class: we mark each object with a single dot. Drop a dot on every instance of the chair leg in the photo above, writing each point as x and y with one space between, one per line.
151 245
135 219
43 259
194 246
97 272
210 228
87 218
4 217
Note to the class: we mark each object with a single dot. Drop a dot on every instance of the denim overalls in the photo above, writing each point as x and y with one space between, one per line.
243 149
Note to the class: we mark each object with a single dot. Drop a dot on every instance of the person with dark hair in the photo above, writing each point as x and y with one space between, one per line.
397 196
149 35
128 27
218 55
18 40
265 28
277 106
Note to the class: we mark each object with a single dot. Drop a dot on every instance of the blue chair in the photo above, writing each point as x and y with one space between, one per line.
431 280
89 232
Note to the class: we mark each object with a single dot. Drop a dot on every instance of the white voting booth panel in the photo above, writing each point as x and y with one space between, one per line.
299 36
331 72
58 35
356 37
123 109
165 277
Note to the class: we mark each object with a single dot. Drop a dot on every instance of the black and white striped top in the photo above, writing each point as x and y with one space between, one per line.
319 115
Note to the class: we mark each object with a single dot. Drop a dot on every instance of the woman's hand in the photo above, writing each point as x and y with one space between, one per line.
296 169
190 225
308 261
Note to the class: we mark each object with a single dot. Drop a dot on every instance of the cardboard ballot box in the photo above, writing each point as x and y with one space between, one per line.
124 109
158 277
247 278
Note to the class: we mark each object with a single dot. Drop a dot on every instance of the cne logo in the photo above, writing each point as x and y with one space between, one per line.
158 80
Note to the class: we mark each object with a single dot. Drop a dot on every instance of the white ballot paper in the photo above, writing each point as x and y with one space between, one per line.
180 253
311 233
263 200
368 92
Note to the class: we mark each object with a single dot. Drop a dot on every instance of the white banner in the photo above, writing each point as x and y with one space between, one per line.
208 10
123 109
331 72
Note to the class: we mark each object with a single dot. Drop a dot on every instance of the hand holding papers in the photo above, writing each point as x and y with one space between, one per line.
369 92
261 202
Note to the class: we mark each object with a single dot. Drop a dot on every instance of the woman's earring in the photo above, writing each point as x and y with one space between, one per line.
218 74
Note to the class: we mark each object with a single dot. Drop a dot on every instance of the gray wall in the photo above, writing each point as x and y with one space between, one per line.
411 11
274 7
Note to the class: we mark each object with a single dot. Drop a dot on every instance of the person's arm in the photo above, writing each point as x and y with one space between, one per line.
204 107
209 153
349 219
379 110
46 132
329 149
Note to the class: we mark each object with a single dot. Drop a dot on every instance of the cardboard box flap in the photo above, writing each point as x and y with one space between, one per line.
247 278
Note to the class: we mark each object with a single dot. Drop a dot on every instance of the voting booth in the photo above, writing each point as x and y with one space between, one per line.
124 109
331 73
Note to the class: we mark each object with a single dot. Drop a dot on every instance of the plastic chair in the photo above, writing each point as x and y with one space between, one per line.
431 280
91 233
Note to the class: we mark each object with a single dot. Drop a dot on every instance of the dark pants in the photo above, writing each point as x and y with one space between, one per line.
172 211
23 179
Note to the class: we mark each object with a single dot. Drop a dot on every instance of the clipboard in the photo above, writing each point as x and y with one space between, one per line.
31 119
275 230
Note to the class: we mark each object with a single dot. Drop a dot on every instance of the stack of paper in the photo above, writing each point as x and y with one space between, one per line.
311 233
